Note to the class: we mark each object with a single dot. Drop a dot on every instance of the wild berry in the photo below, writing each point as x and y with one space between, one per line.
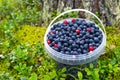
65 22
73 20
78 31
91 48
49 42
88 29
55 45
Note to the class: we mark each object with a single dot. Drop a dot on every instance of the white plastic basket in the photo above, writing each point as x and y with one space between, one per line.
75 59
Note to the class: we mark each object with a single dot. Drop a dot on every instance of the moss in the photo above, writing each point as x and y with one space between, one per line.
30 34
113 36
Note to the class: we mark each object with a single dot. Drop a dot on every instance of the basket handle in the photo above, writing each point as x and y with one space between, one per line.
83 10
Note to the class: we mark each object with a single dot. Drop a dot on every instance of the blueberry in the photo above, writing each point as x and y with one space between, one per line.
96 39
67 33
83 32
84 22
77 41
65 48
82 42
77 45
78 22
91 36
70 34
93 43
90 40
70 24
56 49
85 51
69 29
53 35
73 28
70 41
87 35
50 45
59 45
73 45
75 49
81 26
85 27
66 44
79 50
73 37
52 28
88 24
68 49
58 29
97 34
97 28
97 45
85 46
62 49
60 34
100 32
68 38
56 36
75 53
50 38
92 24
65 40
92 30
62 52
78 36
66 52
64 32
75 25
100 37
62 27
56 40
74 34
90 44
65 28
81 47
53 31
87 40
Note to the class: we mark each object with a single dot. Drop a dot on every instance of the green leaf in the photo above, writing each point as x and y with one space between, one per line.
33 76
23 78
63 70
80 76
88 71
91 65
96 74
46 77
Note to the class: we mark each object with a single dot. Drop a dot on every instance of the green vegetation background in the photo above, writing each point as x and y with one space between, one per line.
24 57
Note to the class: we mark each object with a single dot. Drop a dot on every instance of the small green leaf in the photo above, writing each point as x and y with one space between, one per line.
63 70
88 71
91 65
96 74
80 76
33 76
46 77
23 78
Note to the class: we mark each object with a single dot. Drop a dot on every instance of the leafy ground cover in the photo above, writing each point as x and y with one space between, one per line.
27 60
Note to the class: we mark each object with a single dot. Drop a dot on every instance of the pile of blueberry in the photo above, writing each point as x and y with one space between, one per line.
74 36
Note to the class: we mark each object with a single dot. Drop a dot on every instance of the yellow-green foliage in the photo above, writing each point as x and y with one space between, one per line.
113 36
30 34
